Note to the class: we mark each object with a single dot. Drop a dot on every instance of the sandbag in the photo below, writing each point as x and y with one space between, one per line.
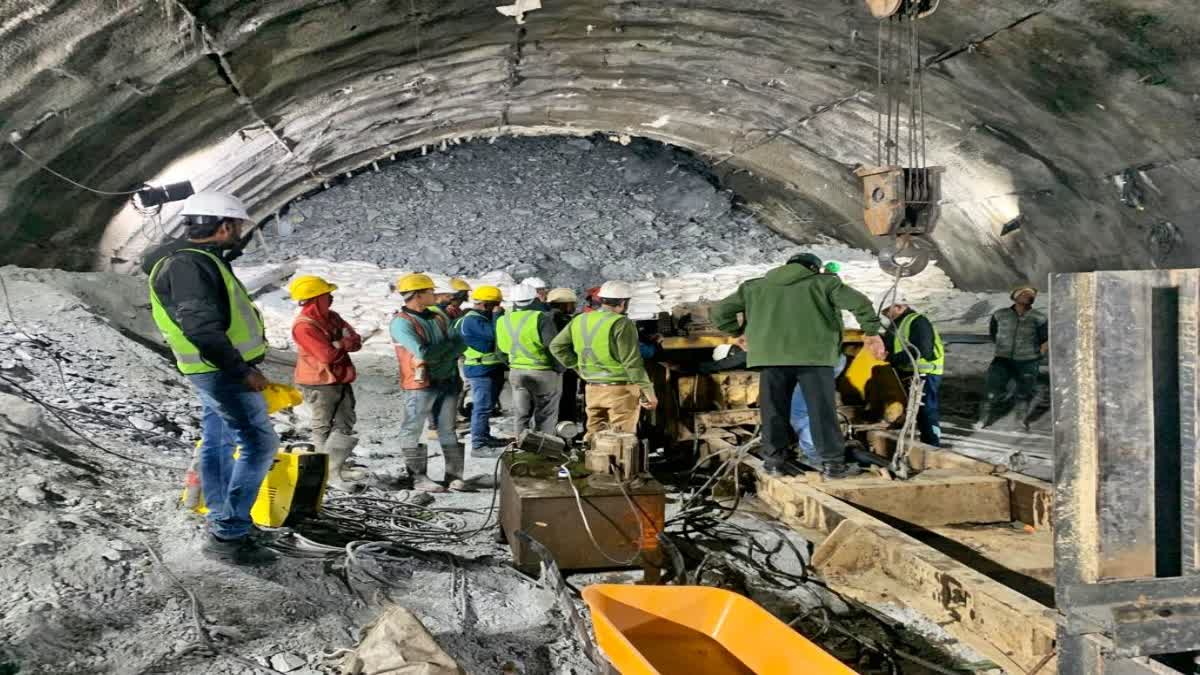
397 643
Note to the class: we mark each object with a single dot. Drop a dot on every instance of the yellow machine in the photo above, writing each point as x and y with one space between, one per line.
293 489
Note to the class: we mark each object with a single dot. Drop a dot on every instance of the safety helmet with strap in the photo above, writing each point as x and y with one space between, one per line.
518 335
591 335
934 366
246 331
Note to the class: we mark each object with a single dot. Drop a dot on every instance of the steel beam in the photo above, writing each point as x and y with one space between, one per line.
1125 348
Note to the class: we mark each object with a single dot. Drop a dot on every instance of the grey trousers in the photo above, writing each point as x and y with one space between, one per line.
536 395
332 409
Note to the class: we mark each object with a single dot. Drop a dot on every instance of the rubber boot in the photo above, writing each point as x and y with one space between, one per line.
839 470
455 456
1023 410
416 460
985 416
339 447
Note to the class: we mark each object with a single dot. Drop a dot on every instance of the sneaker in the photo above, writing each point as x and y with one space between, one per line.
489 448
459 485
837 470
426 484
244 551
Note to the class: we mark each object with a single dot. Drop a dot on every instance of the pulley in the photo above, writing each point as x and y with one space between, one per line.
882 9
901 192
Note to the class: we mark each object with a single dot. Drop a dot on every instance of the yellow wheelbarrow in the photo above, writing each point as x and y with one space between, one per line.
697 630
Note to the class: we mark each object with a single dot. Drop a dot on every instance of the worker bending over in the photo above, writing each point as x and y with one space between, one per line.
324 371
217 336
484 368
1021 334
603 347
793 333
523 336
925 355
428 358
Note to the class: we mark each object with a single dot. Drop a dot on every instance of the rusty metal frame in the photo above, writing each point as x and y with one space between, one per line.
1125 352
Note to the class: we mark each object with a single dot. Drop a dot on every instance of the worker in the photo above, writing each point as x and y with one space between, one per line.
484 368
462 291
801 421
542 289
446 294
563 304
724 357
324 371
792 332
427 353
832 267
591 300
603 347
1022 335
524 336
915 346
218 338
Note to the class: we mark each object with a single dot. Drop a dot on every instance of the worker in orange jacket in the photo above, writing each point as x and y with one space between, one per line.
324 371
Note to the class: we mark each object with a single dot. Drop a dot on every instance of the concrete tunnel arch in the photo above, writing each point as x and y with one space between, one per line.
777 95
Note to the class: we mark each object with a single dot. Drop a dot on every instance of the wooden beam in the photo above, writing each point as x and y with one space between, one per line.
928 500
923 457
1032 500
865 558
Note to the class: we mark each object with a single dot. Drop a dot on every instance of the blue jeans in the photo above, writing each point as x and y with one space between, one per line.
438 404
483 400
232 415
929 416
800 421
803 426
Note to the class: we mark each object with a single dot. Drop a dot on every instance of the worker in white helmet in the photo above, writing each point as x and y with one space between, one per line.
542 289
524 336
603 347
218 338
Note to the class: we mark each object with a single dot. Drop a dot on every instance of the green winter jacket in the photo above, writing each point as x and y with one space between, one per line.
793 317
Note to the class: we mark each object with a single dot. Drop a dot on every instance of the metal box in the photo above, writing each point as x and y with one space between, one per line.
545 508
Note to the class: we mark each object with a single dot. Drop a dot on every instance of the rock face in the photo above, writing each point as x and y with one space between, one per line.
1034 106
531 206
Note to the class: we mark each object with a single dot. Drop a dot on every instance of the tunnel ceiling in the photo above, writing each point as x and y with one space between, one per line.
1040 100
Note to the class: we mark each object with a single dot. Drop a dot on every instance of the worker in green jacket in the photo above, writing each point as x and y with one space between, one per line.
523 336
792 332
603 347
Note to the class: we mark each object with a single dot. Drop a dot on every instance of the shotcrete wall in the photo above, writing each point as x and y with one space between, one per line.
1034 106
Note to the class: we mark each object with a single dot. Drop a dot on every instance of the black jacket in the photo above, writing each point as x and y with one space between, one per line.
193 293
920 336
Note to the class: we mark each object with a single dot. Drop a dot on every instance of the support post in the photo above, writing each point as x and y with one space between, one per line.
1125 347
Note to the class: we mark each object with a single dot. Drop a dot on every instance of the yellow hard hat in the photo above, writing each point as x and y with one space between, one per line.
281 396
487 294
459 285
307 287
562 295
414 282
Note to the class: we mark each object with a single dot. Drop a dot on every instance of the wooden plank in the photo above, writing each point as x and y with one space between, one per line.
867 559
924 457
1032 500
928 501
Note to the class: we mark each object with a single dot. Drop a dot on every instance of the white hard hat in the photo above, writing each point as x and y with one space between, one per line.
522 293
535 283
441 285
721 351
616 290
218 204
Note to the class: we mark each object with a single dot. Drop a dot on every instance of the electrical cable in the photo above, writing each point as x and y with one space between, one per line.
77 184
587 526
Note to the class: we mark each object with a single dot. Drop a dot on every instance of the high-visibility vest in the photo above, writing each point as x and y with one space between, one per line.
517 335
246 330
935 366
474 357
591 335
